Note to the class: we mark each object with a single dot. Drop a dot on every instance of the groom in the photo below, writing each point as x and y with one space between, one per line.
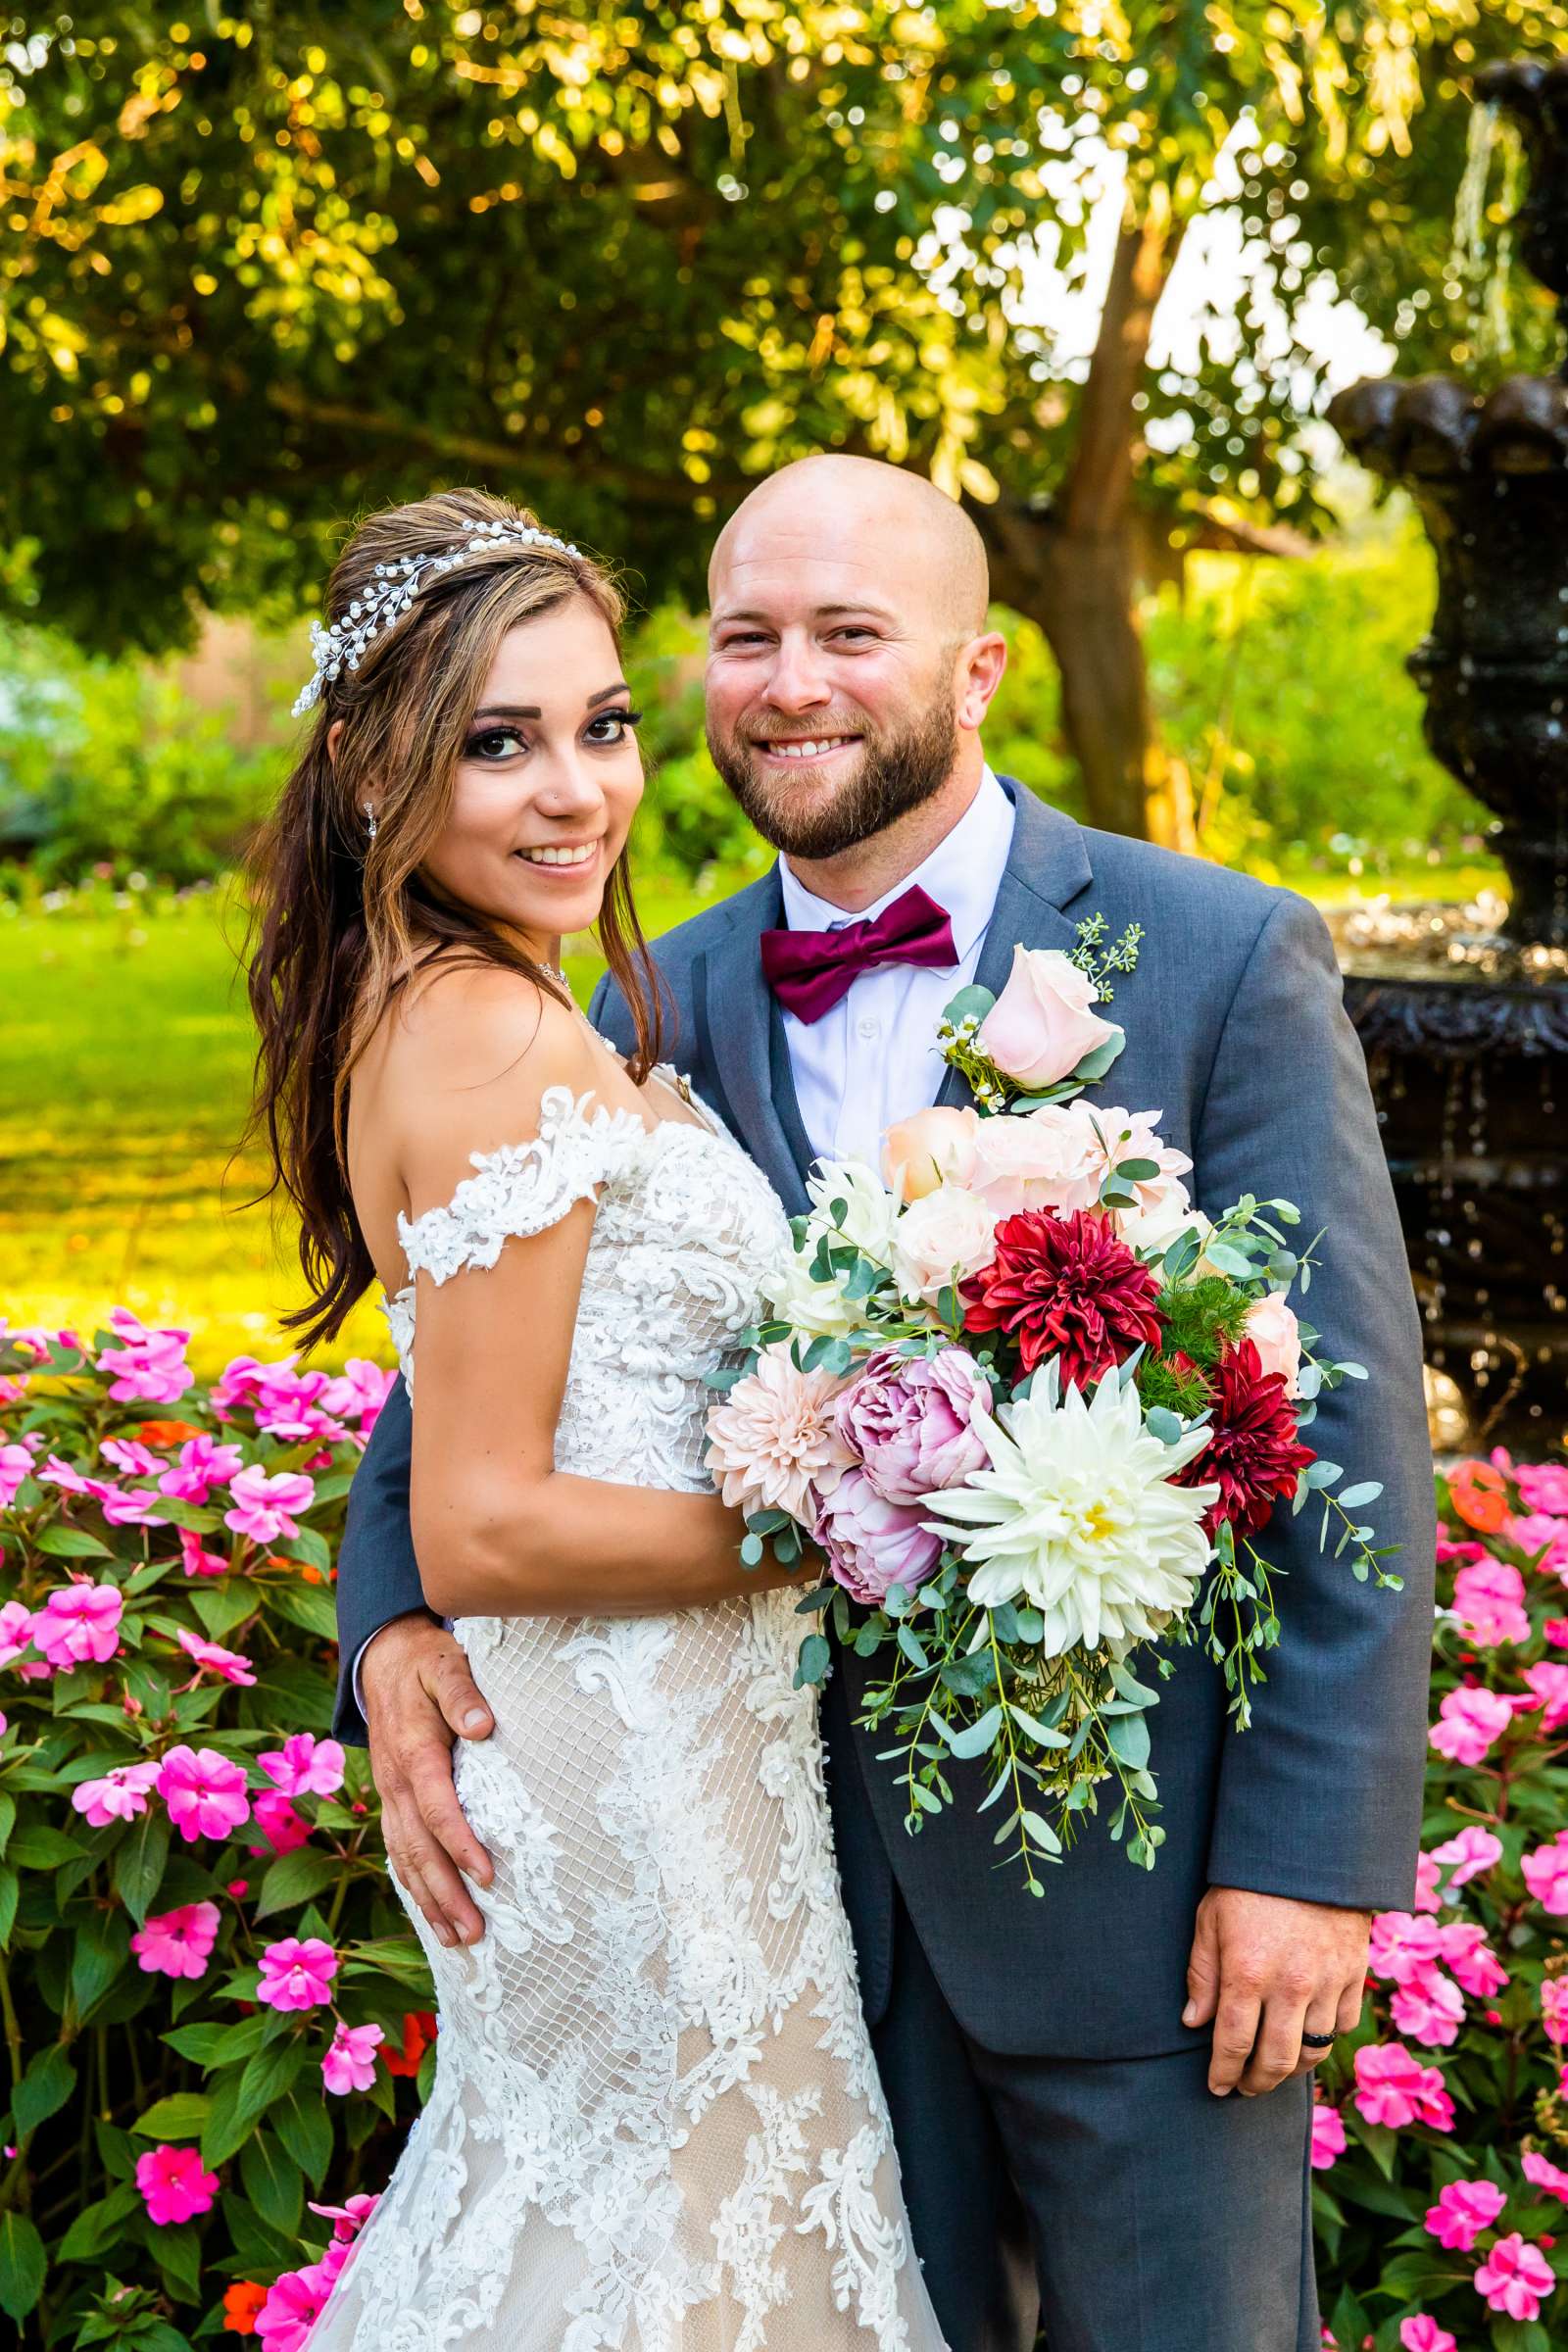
1121 2071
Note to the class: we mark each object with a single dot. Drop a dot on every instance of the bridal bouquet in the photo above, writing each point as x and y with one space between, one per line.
1035 1410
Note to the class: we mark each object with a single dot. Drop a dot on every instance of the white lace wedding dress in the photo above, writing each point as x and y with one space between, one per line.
655 2123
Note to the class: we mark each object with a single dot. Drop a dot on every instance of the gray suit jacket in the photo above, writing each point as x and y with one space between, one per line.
1237 1037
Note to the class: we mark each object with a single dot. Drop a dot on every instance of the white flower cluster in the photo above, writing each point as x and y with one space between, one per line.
342 646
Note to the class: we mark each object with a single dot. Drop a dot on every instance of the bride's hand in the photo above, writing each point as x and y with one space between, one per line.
418 1697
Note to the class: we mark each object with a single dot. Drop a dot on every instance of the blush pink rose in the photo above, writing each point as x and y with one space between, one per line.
177 1943
911 1422
1462 2211
940 1241
1048 1158
1276 1334
173 2186
1041 1027
872 1545
1515 2278
934 1147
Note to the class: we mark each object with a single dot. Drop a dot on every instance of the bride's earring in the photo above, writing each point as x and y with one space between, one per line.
369 821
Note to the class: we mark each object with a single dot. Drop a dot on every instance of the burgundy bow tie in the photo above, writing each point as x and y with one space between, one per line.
810 971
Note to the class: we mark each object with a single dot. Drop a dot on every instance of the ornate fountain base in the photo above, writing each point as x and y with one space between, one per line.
1470 1076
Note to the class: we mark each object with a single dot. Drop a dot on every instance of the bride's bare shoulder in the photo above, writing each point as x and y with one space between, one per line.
469 1025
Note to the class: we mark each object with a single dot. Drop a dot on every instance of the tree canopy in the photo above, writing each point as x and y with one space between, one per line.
272 264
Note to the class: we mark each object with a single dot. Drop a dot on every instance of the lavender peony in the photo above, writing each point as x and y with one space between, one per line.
911 1421
871 1543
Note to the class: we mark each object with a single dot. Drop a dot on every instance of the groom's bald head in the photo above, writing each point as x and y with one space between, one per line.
892 527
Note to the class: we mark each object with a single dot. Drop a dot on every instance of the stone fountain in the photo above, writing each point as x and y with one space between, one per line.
1465 1021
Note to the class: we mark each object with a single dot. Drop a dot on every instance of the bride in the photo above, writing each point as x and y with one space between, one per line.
655 2123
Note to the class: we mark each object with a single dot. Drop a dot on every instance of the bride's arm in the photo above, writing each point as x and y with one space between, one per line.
497 1528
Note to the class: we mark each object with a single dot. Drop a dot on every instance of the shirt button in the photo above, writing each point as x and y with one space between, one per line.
866 1026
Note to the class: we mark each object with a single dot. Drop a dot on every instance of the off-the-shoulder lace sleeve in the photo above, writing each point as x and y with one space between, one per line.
522 1188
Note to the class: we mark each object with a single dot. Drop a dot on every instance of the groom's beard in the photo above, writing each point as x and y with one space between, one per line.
896 773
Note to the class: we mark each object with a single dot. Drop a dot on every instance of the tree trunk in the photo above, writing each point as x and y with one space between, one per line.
1071 565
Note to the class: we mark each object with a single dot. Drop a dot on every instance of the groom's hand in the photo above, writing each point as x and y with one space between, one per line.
1265 1970
418 1697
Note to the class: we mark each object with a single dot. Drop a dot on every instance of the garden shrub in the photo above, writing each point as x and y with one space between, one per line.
216 2019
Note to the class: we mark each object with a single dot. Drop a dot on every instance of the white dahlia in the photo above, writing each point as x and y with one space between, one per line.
1078 1516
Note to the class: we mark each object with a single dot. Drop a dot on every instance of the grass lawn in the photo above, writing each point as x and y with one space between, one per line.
124 1056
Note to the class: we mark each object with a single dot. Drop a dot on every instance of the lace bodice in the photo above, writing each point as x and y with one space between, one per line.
686 1225
655 2123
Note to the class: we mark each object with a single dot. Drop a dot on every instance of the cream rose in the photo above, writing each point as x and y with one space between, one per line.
1045 1159
1041 1028
934 1147
1274 1332
1164 1212
942 1238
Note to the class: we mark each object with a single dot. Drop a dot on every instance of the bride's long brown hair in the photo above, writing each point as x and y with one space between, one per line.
341 919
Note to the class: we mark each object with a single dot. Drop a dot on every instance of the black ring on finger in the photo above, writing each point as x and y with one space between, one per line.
1317 2041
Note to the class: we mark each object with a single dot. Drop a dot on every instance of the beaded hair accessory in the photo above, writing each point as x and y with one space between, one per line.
342 646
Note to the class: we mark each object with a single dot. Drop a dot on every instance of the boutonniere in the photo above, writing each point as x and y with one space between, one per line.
1040 1040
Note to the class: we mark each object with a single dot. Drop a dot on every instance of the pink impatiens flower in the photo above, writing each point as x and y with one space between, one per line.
177 1943
1543 1487
128 1454
78 1623
1545 1874
297 1975
1462 2211
1469 1722
265 1507
1548 2178
1393 2087
1421 2333
1431 2010
350 2062
215 1658
119 1795
195 1561
358 1393
15 1464
348 2220
202 1465
280 1823
1405 1948
1515 2278
204 1792
173 2185
1548 1680
16 1631
1554 2008
294 2304
1488 1599
1543 1538
1471 1851
1467 1952
147 1364
305 1766
1328 2135
1427 1877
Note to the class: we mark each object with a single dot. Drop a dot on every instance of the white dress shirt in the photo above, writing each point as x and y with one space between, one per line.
873 1058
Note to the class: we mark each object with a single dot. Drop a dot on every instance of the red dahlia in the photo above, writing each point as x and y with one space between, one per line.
1254 1455
1066 1287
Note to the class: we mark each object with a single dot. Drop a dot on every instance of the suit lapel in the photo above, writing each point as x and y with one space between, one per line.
739 1020
1048 867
